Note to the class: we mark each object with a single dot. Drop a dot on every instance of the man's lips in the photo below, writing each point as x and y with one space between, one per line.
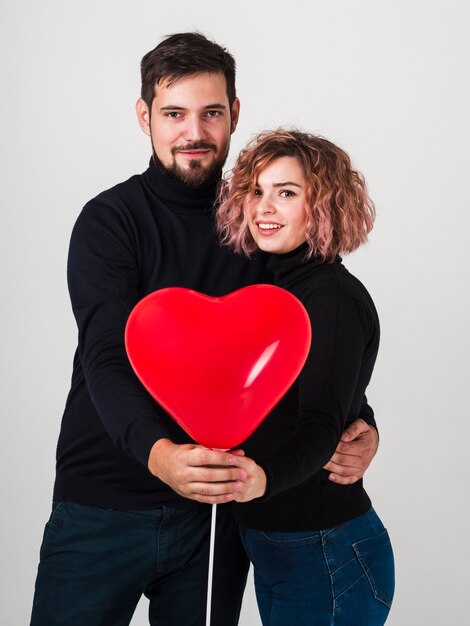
193 153
196 150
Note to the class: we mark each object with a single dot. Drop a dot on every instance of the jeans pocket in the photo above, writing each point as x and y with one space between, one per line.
290 539
376 558
54 523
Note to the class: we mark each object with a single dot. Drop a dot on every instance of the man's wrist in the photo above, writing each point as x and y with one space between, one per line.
158 453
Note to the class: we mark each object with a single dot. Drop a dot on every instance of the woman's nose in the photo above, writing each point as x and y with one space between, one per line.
266 206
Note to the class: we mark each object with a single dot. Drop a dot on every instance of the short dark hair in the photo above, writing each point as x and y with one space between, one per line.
181 55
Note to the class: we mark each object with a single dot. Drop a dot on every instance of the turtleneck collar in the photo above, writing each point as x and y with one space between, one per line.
178 196
293 266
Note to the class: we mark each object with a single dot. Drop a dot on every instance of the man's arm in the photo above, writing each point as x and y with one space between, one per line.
352 457
103 281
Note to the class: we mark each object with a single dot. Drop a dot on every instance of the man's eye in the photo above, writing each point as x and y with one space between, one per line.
173 114
213 113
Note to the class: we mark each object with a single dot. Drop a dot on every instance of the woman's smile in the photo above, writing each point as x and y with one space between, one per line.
276 209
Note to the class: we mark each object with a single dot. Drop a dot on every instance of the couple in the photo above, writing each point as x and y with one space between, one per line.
130 514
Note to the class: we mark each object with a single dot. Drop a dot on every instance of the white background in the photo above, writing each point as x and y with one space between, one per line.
389 81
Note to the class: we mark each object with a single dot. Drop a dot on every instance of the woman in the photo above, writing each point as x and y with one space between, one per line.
321 555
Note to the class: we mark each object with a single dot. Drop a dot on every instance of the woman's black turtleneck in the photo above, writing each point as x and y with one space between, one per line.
302 432
147 233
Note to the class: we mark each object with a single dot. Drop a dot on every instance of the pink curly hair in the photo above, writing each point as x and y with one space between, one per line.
340 213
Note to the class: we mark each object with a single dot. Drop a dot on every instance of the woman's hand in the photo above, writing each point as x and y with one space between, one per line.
254 484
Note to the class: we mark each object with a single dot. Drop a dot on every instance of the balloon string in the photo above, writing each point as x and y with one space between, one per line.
211 565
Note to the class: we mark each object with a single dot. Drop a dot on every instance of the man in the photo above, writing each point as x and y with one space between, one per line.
130 512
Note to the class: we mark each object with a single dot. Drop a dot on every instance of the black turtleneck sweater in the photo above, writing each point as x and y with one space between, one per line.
302 432
147 233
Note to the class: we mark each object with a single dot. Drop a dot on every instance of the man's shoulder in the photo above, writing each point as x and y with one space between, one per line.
121 194
123 201
115 208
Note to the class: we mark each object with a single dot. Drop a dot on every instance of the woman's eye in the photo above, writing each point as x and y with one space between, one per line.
257 192
286 193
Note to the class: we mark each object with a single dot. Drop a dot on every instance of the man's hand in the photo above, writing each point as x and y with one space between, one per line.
195 472
354 453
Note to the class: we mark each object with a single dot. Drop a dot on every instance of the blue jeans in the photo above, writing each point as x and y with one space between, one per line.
96 563
342 576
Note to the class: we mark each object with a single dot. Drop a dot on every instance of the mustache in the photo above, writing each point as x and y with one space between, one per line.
195 145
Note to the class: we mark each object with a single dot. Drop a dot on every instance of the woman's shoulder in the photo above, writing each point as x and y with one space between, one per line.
336 275
333 283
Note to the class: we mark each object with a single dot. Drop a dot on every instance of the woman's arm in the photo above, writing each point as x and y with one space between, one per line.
327 386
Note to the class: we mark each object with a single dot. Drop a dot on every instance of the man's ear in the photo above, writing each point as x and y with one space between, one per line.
143 115
235 112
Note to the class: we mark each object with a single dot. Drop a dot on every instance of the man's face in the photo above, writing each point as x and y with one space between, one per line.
190 124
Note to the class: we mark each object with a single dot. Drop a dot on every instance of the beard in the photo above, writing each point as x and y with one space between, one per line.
195 175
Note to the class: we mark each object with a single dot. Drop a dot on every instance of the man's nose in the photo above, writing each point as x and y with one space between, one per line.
194 130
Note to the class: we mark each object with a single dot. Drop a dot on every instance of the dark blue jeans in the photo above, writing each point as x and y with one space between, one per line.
96 563
342 576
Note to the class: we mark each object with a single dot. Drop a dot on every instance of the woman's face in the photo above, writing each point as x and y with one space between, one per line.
276 210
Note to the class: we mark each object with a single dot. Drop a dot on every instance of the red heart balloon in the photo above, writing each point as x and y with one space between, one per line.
218 365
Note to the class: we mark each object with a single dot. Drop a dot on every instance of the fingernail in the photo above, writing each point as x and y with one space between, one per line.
332 477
